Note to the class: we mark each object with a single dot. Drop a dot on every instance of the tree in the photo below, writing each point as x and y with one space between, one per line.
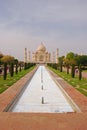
25 66
61 59
11 69
71 60
82 63
21 64
1 55
7 59
5 71
16 63
67 64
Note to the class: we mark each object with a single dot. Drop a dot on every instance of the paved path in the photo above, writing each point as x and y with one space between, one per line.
29 121
40 121
42 95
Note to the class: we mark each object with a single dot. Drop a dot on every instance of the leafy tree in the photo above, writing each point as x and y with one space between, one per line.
7 59
5 71
16 67
61 59
11 69
70 55
67 64
71 60
1 55
25 66
20 67
21 64
81 62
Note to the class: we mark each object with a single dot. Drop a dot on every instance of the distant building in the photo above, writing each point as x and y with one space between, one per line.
41 55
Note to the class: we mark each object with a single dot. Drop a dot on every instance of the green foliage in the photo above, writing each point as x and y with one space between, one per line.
61 59
76 60
28 65
79 85
82 91
53 65
82 60
5 84
70 55
20 67
7 59
16 65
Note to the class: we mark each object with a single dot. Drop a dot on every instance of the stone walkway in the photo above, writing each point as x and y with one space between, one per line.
40 121
42 95
29 121
75 95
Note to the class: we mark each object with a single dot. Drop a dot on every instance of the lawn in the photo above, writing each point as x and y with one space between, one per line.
75 82
5 84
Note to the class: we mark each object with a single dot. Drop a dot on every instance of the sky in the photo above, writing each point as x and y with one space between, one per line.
57 23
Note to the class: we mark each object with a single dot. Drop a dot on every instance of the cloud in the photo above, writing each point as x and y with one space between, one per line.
58 23
47 11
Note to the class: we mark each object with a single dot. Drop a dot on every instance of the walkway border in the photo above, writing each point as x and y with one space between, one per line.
42 121
79 99
9 97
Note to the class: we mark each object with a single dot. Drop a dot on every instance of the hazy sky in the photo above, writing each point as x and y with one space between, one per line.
57 23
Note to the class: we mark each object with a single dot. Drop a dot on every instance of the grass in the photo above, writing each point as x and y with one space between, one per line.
75 82
5 84
85 70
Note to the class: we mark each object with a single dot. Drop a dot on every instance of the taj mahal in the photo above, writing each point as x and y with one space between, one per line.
41 55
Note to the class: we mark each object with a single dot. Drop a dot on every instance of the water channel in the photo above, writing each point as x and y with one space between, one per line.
42 94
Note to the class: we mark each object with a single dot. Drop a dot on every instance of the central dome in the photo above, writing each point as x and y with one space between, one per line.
41 48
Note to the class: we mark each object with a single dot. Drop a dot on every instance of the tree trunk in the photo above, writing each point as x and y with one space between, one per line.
67 69
73 71
5 71
25 66
80 73
12 70
61 68
20 68
16 71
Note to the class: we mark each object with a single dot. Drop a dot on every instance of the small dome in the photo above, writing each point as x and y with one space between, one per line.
41 48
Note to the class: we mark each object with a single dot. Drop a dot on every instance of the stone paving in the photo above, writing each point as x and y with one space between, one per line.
42 95
75 95
40 121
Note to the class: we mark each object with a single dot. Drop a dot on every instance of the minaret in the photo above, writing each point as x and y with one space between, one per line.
29 59
57 56
49 57
25 55
33 59
53 57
